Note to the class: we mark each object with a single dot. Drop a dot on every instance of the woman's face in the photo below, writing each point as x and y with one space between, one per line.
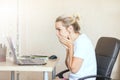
61 30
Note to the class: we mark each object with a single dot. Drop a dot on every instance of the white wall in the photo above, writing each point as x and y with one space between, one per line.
8 22
36 22
8 16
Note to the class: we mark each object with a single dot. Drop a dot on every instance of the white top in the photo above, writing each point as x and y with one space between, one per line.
83 49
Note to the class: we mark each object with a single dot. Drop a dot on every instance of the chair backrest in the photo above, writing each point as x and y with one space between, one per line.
107 50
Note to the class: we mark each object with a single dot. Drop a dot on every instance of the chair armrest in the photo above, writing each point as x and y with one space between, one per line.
60 75
99 77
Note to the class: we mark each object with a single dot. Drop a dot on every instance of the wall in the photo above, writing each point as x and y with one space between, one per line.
8 22
8 19
36 25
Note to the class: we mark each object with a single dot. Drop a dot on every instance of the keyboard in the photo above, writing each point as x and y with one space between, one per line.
32 62
27 61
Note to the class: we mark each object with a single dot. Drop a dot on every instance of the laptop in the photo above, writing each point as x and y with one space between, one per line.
24 61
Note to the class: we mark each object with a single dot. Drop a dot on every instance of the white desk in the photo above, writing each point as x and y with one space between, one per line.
10 66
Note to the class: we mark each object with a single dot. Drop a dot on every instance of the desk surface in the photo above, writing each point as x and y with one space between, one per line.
10 66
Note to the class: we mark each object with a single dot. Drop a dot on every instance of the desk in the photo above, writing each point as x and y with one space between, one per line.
49 67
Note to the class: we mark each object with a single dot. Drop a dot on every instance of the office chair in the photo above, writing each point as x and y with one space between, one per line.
107 49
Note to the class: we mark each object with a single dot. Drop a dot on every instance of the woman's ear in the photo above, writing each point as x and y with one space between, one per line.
70 29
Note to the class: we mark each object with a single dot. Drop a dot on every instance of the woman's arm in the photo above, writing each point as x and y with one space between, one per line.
74 63
66 60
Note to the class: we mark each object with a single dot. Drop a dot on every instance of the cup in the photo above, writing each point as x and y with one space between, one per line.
3 53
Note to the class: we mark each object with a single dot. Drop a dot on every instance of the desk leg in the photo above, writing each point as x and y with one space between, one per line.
54 73
18 75
45 75
12 75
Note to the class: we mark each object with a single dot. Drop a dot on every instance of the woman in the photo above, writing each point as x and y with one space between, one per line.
80 54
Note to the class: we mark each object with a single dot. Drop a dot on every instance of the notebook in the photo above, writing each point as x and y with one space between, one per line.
24 61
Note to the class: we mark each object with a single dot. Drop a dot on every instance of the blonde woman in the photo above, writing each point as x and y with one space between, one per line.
80 54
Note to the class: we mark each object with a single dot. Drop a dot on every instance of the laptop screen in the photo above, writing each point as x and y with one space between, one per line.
12 49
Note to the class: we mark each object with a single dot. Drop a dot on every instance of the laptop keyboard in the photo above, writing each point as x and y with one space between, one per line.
26 61
33 61
39 61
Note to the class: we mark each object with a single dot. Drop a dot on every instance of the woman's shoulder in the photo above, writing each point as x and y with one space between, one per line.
82 39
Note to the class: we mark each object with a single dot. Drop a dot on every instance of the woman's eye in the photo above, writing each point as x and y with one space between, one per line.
58 29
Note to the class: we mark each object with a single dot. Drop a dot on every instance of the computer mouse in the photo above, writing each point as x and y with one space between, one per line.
53 57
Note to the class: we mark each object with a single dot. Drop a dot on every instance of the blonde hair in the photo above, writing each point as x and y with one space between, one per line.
70 20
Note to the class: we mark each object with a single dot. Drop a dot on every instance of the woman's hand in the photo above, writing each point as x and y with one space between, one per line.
67 41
